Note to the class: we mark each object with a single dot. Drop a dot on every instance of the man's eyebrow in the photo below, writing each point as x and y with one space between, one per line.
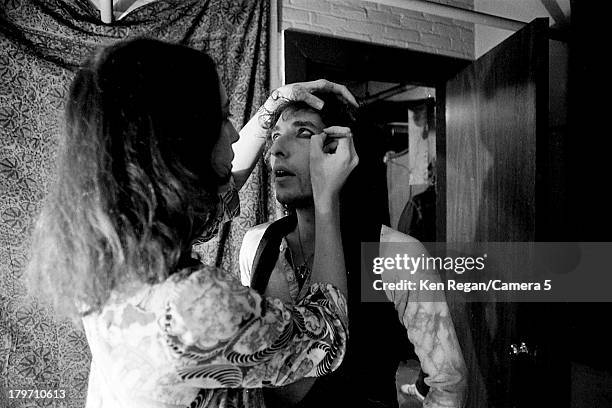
275 128
299 123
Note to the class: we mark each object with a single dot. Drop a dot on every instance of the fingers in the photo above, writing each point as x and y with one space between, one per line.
302 91
324 143
330 169
334 133
338 131
344 148
316 143
354 156
327 86
299 92
346 151
330 145
313 101
346 94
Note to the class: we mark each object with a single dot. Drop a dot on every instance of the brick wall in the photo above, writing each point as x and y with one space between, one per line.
381 24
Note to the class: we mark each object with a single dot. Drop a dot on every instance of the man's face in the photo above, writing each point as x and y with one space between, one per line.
290 155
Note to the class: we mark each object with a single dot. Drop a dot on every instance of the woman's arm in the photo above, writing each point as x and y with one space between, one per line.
226 335
328 172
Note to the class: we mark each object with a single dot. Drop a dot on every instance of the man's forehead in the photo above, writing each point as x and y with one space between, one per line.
299 117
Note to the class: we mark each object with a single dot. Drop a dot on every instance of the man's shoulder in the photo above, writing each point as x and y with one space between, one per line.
411 245
253 235
388 234
259 228
250 242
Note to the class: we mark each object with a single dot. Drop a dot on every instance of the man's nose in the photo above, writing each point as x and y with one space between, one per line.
279 147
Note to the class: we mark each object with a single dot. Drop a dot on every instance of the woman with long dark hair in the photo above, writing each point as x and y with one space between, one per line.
144 171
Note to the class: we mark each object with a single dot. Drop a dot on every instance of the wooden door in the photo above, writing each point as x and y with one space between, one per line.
496 123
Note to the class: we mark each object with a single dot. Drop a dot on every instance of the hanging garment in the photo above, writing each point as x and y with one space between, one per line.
418 219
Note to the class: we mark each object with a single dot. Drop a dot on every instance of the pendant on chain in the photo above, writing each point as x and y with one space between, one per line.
303 270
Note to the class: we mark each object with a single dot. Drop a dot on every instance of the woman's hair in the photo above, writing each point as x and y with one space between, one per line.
135 183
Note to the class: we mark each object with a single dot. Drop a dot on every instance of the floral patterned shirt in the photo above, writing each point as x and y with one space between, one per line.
201 339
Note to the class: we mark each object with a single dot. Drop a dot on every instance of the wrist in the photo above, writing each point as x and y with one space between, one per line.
257 126
327 204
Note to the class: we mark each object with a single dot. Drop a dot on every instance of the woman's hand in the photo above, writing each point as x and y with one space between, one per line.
331 165
302 91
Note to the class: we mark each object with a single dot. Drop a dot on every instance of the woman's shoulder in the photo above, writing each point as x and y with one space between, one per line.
208 287
200 277
199 294
153 297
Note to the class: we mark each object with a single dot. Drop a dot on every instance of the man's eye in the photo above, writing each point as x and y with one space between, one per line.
274 136
305 133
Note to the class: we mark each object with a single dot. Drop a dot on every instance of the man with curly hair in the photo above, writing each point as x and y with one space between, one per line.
276 259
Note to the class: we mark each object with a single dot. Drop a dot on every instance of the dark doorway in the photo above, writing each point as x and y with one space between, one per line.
497 379
401 92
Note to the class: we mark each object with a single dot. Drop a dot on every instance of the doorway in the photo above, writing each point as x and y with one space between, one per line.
477 111
400 92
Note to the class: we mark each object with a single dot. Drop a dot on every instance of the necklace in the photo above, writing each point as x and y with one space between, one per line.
302 270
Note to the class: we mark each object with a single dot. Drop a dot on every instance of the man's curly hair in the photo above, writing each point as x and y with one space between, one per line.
335 112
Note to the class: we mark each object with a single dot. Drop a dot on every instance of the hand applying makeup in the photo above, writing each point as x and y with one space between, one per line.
330 164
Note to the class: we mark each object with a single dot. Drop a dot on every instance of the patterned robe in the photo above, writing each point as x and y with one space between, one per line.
201 339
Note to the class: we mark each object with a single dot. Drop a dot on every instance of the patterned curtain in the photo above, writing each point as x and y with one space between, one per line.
41 44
